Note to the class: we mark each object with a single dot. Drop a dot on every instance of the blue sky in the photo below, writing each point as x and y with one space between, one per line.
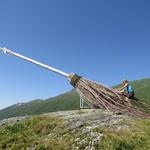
102 40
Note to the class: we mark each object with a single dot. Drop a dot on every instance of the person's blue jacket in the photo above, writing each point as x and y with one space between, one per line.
129 89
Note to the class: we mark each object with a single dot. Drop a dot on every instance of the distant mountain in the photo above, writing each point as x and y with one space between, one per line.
66 101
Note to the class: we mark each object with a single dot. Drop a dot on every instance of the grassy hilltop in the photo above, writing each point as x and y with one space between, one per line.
76 130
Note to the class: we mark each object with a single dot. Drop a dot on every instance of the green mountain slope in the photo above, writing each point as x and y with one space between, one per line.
142 88
66 101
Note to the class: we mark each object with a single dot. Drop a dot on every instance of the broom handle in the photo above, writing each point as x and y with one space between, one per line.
5 50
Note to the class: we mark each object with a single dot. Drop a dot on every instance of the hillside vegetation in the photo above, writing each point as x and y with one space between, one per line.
66 101
142 88
76 130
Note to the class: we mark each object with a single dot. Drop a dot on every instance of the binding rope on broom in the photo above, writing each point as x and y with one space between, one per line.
95 94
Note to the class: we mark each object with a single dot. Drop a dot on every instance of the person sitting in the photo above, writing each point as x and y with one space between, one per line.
126 89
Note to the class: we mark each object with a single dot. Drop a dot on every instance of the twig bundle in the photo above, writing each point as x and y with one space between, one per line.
100 96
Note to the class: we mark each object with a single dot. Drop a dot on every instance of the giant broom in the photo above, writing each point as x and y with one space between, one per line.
95 94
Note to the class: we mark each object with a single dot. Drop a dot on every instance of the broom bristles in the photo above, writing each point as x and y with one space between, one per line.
100 96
